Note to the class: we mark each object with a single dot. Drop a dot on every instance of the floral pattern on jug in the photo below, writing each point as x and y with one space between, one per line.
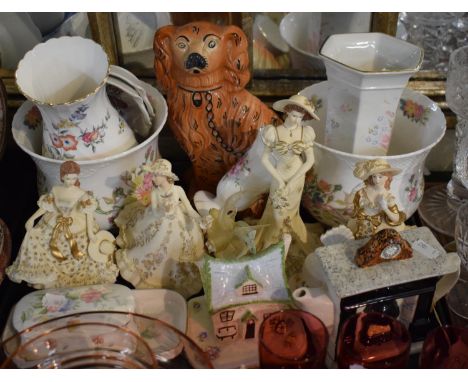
414 111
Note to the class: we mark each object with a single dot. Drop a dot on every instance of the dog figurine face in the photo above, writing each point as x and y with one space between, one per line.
201 54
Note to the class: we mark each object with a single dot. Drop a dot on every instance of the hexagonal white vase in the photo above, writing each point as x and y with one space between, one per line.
367 73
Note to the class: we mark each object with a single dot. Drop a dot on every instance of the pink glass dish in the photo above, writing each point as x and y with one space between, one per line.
101 340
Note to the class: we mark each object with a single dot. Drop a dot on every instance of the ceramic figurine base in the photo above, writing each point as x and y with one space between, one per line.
227 355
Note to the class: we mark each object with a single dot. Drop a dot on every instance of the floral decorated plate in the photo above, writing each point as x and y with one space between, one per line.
166 305
43 305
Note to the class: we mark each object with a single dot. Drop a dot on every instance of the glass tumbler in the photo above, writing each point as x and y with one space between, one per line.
461 237
373 341
104 339
445 348
456 94
292 339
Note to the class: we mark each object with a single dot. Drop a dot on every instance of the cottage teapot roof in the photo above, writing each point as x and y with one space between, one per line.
222 279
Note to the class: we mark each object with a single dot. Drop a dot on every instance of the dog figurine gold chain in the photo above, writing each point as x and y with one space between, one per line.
203 69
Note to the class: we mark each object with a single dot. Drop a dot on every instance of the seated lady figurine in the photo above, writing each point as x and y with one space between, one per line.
162 239
375 207
287 156
65 247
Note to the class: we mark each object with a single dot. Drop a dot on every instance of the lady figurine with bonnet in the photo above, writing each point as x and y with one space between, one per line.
160 236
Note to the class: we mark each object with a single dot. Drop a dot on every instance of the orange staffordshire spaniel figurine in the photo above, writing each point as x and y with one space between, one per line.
203 69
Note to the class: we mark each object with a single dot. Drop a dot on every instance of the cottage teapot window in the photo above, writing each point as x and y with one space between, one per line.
227 315
249 289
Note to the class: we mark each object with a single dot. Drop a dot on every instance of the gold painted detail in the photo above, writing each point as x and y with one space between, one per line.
368 224
63 226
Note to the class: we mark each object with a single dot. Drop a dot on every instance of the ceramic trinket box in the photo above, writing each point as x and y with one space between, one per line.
39 307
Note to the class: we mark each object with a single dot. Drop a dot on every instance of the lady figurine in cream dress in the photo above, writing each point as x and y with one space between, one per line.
287 156
65 248
375 207
161 240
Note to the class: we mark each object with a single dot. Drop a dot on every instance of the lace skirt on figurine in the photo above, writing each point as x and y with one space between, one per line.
37 266
159 250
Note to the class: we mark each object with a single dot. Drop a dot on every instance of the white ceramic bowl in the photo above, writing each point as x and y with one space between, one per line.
301 30
104 177
419 126
266 31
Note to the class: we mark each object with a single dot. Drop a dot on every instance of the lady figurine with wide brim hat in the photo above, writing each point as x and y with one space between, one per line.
160 236
375 206
249 177
287 155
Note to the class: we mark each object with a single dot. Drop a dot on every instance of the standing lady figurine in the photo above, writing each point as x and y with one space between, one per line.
287 156
65 247
375 206
162 239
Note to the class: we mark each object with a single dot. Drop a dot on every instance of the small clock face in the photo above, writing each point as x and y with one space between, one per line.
390 251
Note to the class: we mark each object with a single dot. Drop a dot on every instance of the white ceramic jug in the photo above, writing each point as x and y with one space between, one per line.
66 79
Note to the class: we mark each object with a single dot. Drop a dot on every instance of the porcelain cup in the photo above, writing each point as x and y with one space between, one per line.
330 185
66 79
366 73
106 177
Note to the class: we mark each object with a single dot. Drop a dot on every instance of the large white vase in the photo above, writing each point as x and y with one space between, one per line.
367 73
